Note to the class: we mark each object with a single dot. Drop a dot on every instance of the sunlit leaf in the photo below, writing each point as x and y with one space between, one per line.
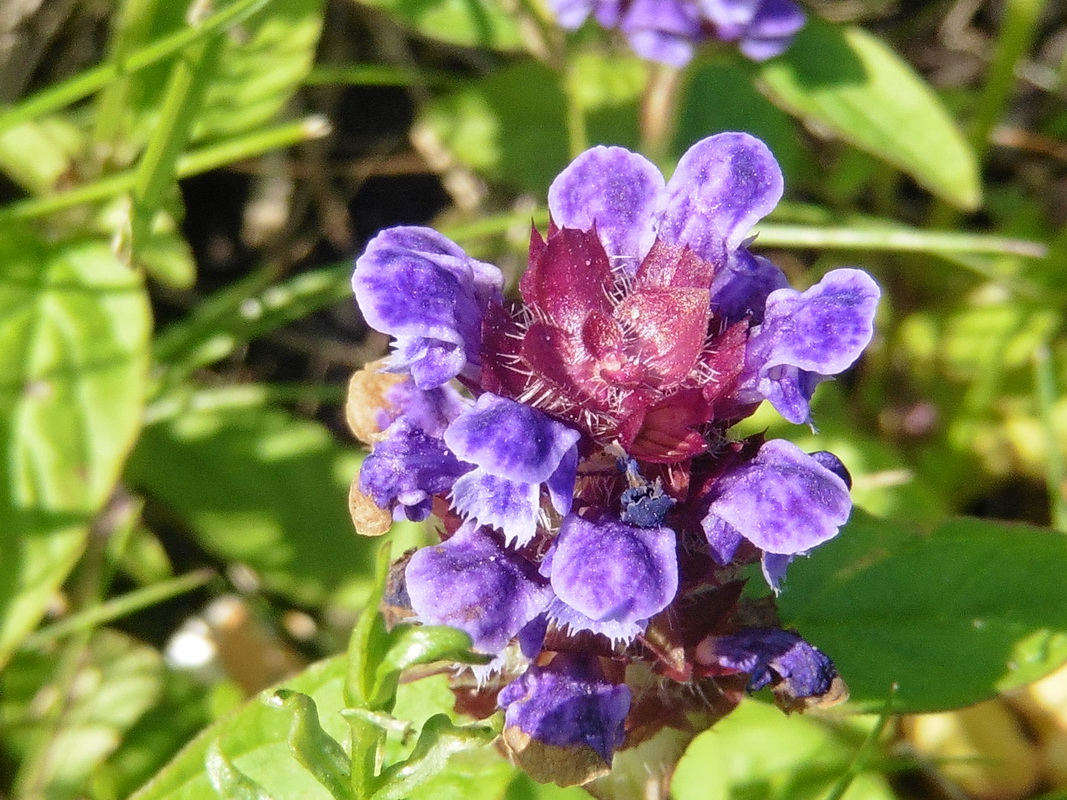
74 325
954 616
117 681
259 486
846 81
474 23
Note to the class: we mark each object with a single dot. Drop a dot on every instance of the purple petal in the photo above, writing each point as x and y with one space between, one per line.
567 704
420 287
570 14
723 185
774 567
742 288
433 410
500 503
560 483
773 656
723 539
615 190
510 440
731 18
407 468
772 30
663 30
783 500
824 329
472 582
611 572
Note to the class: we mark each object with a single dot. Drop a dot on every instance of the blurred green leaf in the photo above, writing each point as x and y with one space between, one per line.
261 487
39 155
260 70
472 23
848 82
719 96
511 126
953 617
117 682
759 752
74 327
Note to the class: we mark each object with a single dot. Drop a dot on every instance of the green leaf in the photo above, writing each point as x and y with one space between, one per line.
411 645
510 127
38 155
848 82
719 96
317 751
472 23
261 70
759 752
255 738
117 682
439 740
229 782
953 617
74 326
259 486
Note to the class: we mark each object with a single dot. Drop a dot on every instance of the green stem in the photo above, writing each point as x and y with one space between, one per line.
863 755
194 163
894 239
1055 468
157 169
93 80
1016 35
119 607
374 75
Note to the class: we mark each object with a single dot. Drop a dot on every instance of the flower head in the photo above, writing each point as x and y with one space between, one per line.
668 31
597 513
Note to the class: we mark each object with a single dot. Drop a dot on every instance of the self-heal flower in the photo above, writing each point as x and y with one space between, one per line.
668 31
598 516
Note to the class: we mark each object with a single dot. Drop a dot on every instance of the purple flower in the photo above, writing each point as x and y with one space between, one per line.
604 514
668 31
418 286
515 449
783 501
563 722
610 577
407 468
471 581
806 337
772 656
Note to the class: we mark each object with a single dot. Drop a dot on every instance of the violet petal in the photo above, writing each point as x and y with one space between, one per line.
510 440
783 500
722 186
617 192
609 571
773 656
500 503
474 583
408 467
568 704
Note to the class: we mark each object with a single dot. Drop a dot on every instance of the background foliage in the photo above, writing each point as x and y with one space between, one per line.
183 188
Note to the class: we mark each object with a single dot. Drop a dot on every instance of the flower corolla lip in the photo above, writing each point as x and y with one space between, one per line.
515 449
421 288
668 31
611 577
806 337
772 656
407 468
782 500
471 581
721 187
564 721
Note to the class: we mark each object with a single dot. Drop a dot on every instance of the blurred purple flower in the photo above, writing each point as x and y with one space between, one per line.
668 31
772 656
